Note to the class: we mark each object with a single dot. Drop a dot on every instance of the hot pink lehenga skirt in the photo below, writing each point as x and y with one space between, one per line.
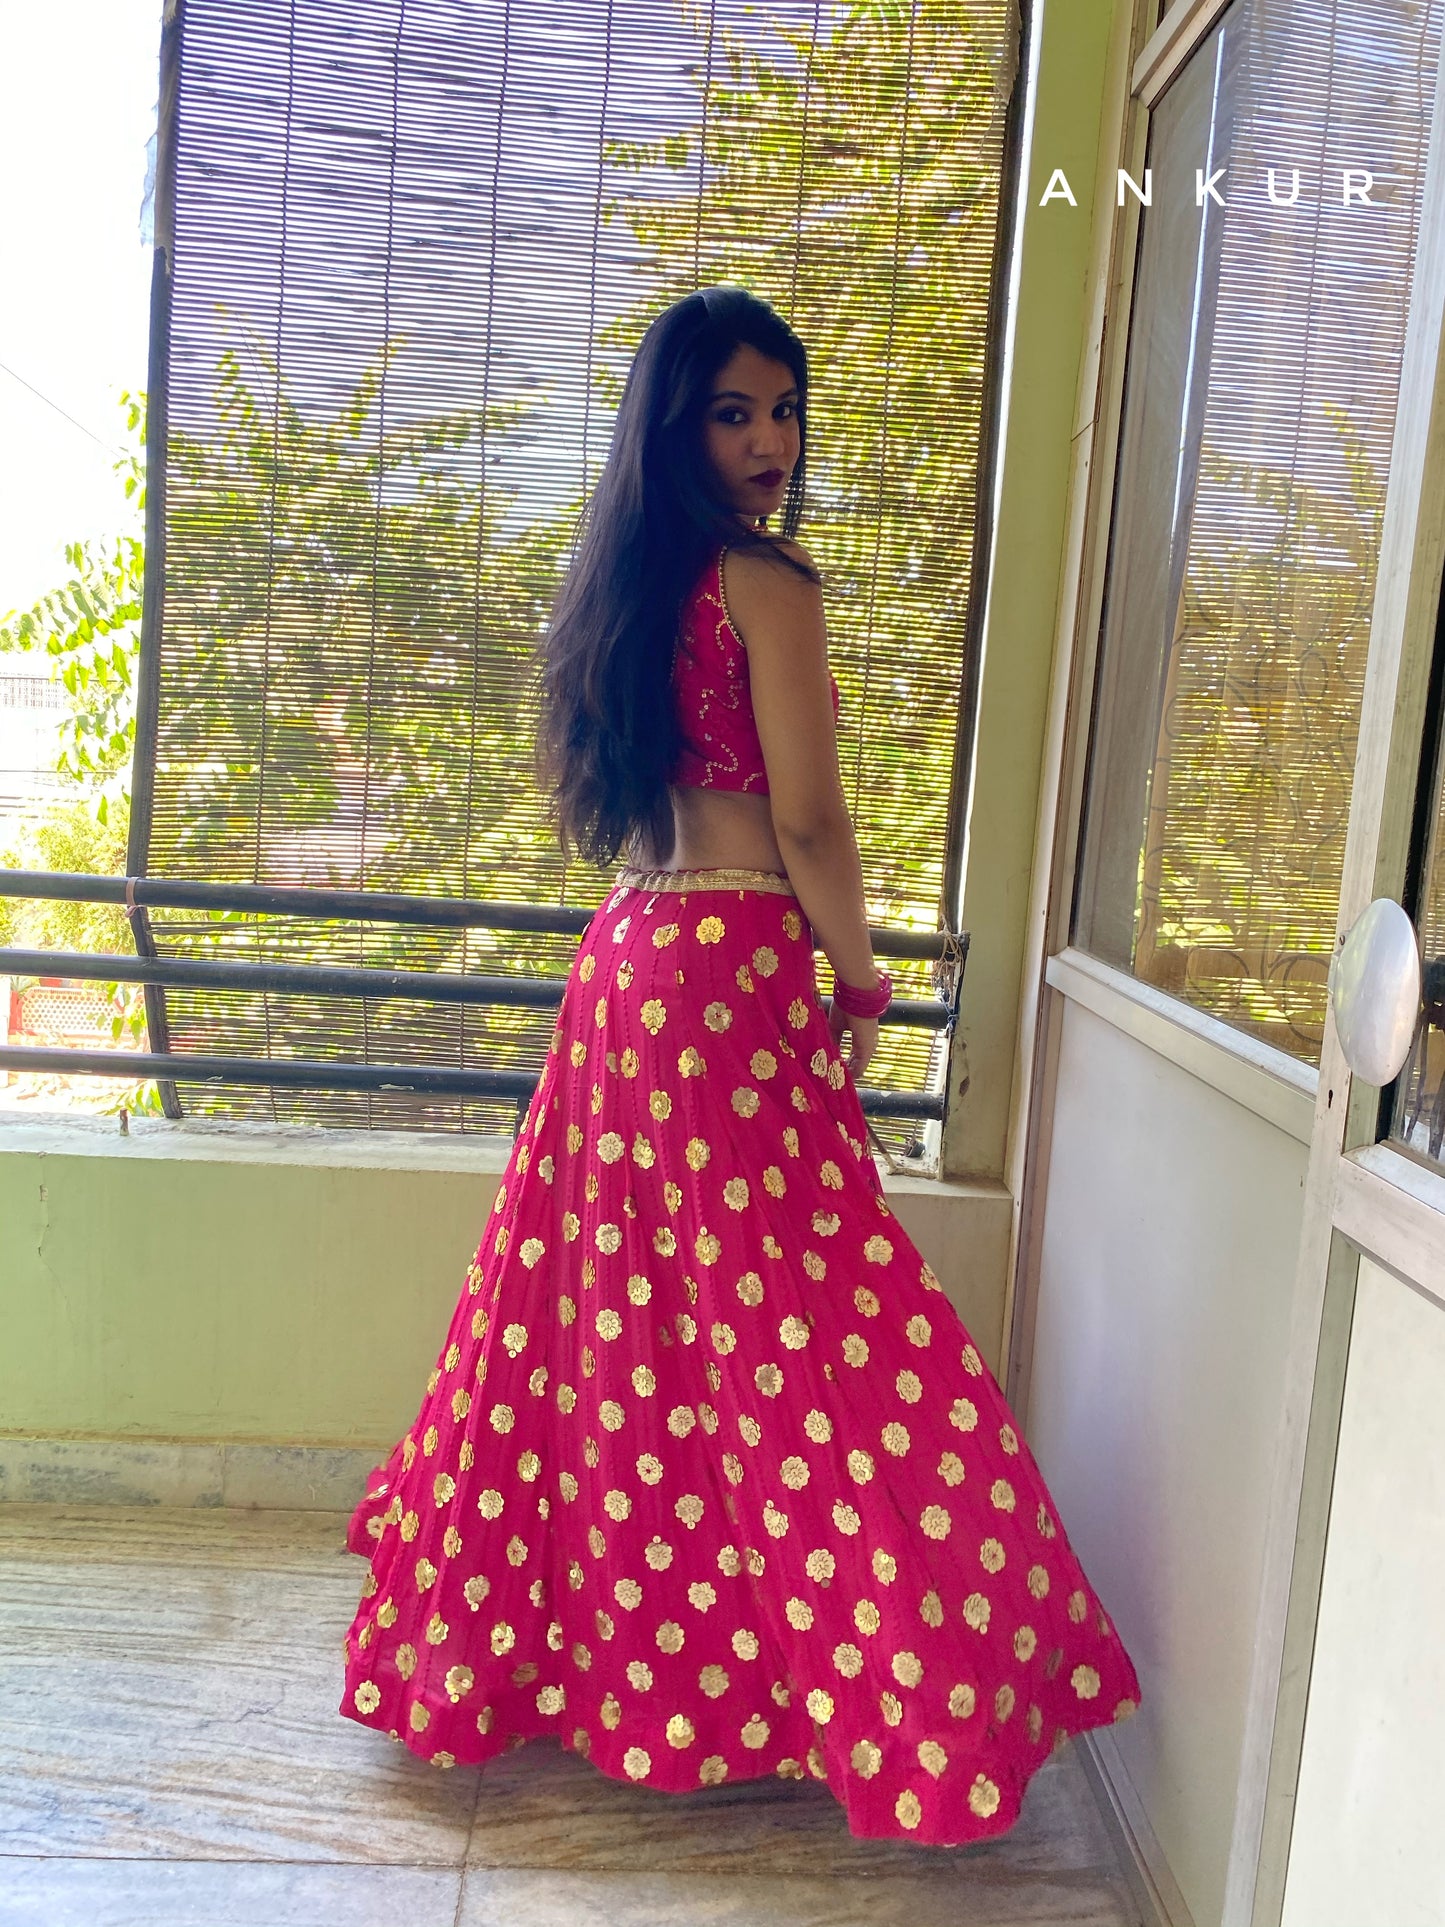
709 1480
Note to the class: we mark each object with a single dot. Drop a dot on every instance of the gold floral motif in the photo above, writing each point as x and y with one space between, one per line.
908 1809
991 1555
818 1062
865 1759
820 1565
885 1567
386 1614
735 1194
566 1398
710 930
755 1734
1025 1642
771 1247
461 1403
680 1421
749 1429
466 1456
1002 1495
797 1013
609 1148
637 1763
689 1509
1045 1523
406 1659
930 1609
972 1363
654 1015
746 1101
794 1473
609 1325
516 1550
745 1644
410 1526
616 1504
609 1238
420 1718
950 1469
896 1440
1125 1709
744 978
664 1241
686 1327
866 1617
429 1440
611 1415
1085 1682
717 1016
630 1063
750 1288
907 1668
670 1637
799 1615
983 1797
855 1350
724 1339
860 1466
610 1713
964 1414
664 934
1003 1703
658 1554
775 1521
962 1701
775 1185
574 1137
976 1612
591 1452
1035 1725
551 1699
891 1707
503 1418
479 1323
571 1226
763 1065
701 1596
426 1575
707 1418
769 1380
639 1290
792 924
515 1339
367 1697
690 1063
1008 1438
713 1771
578 1053
848 1660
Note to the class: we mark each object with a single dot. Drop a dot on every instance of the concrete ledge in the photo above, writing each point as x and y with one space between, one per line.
234 1287
184 1472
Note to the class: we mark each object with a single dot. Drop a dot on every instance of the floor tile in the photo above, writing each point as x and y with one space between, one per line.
542 1807
219 1893
502 1899
170 1690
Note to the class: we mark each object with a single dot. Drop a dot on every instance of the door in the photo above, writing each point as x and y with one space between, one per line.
1242 707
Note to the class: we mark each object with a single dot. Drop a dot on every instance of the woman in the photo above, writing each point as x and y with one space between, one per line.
709 1480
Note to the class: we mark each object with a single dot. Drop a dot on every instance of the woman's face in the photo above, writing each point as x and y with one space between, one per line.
751 433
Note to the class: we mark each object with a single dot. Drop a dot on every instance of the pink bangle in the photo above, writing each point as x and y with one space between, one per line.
854 1002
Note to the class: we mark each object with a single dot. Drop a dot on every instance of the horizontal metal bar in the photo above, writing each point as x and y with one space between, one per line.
324 980
367 906
293 1073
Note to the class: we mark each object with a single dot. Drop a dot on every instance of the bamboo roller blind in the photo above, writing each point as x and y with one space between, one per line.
415 244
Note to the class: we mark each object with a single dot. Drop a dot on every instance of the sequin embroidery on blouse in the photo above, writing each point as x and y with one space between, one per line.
722 750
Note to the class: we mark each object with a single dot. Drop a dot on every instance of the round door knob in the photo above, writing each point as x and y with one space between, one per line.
1374 983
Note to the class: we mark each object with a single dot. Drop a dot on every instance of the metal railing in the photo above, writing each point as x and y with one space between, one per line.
138 894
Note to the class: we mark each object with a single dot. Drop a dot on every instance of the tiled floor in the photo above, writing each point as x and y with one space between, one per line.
171 1756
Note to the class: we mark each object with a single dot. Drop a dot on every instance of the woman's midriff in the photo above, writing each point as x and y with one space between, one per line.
718 829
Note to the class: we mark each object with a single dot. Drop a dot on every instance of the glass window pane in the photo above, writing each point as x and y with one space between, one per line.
1264 361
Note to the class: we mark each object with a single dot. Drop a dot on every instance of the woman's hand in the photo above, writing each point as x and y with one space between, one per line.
863 1034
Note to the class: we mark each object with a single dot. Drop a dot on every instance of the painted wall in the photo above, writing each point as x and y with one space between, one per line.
1368 1849
1049 343
1168 1250
197 1281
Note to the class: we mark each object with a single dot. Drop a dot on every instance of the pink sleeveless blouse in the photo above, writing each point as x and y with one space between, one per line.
714 702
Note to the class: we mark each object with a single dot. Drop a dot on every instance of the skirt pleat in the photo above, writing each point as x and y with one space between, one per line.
709 1480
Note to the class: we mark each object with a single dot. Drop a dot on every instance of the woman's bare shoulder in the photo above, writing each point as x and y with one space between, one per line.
756 578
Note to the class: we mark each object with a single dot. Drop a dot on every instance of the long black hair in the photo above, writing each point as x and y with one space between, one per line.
608 733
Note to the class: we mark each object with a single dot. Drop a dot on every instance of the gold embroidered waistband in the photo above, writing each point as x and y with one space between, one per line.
772 881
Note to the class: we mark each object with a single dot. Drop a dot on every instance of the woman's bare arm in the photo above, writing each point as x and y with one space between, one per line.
779 615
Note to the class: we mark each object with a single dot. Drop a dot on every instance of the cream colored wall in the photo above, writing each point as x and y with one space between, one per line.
204 1282
1167 1253
1049 345
1368 1847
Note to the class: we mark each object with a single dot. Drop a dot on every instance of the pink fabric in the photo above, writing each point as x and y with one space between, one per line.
714 701
709 1481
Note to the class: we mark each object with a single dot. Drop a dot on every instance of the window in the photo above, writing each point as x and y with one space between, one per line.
1263 371
415 243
